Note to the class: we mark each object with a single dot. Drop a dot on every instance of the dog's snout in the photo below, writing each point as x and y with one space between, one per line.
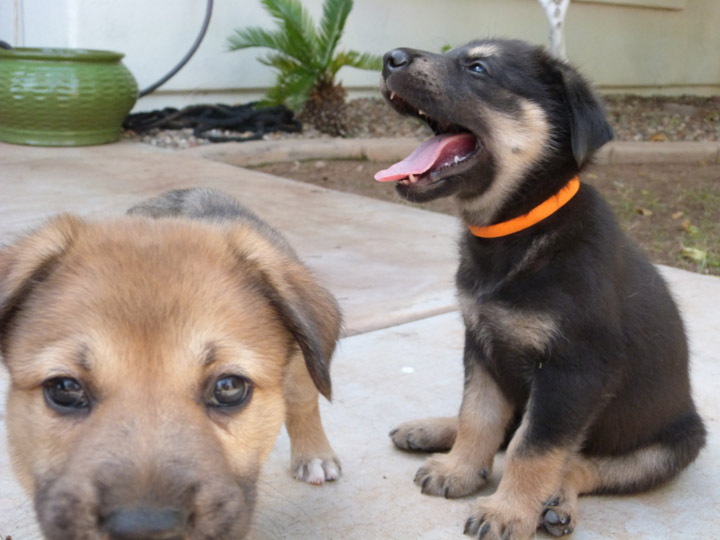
396 59
146 524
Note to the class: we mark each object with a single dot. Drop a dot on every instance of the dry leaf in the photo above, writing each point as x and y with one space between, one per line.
677 215
644 212
694 254
658 137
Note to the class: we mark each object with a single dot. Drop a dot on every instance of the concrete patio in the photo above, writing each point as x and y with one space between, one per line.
391 267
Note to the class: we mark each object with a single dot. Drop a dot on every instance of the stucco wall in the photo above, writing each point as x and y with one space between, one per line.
620 47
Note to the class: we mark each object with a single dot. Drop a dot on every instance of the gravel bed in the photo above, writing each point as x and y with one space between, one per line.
633 118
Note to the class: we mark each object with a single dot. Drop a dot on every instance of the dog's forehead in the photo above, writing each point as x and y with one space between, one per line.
481 50
495 48
142 279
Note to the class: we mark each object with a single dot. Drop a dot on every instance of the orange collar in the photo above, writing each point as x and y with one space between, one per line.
534 216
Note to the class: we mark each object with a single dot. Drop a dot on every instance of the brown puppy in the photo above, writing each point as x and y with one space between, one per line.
575 352
152 364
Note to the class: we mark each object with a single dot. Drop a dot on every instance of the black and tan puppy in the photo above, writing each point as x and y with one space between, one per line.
575 354
152 364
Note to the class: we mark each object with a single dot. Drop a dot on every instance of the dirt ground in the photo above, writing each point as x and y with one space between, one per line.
671 211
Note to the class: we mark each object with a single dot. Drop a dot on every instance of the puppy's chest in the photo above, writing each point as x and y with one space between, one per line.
502 329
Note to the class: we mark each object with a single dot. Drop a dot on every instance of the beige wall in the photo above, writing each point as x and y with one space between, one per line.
620 47
648 50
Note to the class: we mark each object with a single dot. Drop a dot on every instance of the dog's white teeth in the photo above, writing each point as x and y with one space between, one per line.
392 96
421 112
456 160
408 181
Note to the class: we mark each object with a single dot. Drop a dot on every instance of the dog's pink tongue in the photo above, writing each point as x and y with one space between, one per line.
433 153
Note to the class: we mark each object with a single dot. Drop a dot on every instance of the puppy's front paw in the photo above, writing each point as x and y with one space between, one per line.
449 477
427 435
494 519
316 471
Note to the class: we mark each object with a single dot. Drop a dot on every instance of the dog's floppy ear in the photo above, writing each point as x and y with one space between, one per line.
308 311
589 129
29 261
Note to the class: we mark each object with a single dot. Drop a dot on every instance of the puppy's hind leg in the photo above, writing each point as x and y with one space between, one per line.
312 458
633 472
586 475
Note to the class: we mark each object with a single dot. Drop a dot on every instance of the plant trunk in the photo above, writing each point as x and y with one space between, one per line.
325 109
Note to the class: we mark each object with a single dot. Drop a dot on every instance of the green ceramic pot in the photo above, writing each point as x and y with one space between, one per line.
63 97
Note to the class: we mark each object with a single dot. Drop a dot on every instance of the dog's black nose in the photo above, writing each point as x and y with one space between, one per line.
396 59
146 524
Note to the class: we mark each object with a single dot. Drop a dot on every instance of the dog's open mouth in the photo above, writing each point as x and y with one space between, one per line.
446 154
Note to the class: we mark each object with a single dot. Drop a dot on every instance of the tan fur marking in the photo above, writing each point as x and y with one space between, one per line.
528 481
591 474
435 434
586 475
307 437
495 321
483 51
484 416
517 143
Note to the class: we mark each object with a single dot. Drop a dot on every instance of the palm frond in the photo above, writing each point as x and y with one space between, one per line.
355 59
254 36
332 25
281 62
297 26
289 68
274 40
291 89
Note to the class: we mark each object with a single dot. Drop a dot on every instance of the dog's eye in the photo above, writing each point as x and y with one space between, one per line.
478 68
230 391
65 395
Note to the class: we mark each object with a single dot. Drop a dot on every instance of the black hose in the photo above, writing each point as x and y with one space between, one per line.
249 122
186 58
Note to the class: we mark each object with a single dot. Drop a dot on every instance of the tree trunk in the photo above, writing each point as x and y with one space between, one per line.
325 109
555 11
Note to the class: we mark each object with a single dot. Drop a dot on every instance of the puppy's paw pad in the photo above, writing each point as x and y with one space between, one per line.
558 517
317 471
557 524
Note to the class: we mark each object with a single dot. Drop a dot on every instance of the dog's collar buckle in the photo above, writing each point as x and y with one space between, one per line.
536 215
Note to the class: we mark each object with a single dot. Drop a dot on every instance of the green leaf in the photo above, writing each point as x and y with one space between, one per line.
694 254
292 90
357 60
332 25
297 26
256 37
281 62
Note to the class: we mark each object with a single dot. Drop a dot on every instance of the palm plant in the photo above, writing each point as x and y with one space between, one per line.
306 59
